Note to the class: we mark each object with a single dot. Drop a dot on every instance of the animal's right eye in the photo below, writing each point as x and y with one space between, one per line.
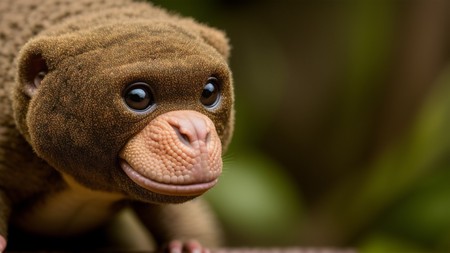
138 96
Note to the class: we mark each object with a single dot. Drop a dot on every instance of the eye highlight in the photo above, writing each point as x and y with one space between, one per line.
138 96
210 96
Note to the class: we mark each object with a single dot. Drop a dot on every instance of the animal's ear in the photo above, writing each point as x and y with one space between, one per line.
217 39
32 72
33 65
213 37
34 61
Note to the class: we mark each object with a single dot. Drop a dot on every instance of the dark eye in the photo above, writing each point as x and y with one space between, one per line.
211 92
139 96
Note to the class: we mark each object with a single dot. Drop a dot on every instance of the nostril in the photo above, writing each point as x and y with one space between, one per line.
183 137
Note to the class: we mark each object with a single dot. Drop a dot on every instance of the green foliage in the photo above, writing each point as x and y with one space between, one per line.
417 167
257 201
422 215
379 243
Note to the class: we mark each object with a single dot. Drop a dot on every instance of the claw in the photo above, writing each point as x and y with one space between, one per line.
175 246
2 244
191 246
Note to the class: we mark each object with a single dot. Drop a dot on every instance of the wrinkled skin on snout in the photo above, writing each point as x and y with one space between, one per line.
178 153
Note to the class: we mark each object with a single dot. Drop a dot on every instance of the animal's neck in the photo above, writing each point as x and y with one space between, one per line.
71 211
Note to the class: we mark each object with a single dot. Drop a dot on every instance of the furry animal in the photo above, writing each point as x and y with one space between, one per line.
106 104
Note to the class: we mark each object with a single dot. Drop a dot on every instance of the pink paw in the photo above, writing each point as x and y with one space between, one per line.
191 246
2 243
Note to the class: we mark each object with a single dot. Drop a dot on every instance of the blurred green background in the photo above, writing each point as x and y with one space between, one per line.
343 110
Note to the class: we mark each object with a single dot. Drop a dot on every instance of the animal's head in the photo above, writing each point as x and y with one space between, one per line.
144 109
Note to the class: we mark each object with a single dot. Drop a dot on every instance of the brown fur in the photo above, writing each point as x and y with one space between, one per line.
75 124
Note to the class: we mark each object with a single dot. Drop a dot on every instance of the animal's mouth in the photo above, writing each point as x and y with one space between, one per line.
194 189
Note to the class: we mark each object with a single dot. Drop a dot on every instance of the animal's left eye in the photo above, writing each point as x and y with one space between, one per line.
211 93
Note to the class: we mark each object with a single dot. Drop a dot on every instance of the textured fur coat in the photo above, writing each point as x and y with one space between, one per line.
88 48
